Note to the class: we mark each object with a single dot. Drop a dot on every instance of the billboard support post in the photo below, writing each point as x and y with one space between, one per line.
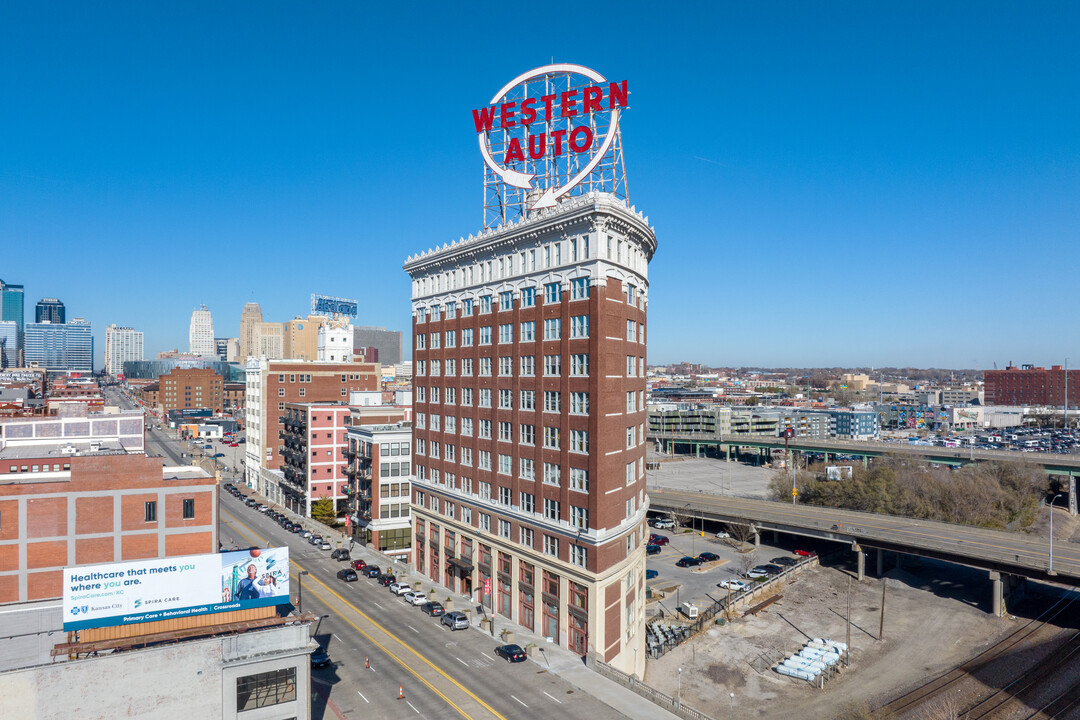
300 602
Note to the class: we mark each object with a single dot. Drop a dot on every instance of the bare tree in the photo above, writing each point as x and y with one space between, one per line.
946 707
742 530
747 561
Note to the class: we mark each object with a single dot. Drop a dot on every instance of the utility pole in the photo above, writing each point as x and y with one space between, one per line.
881 624
847 653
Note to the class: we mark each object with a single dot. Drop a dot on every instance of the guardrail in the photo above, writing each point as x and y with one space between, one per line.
651 694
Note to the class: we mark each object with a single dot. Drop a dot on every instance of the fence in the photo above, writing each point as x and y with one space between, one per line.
649 693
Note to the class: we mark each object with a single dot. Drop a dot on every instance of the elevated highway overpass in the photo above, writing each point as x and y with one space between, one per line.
1066 466
1007 557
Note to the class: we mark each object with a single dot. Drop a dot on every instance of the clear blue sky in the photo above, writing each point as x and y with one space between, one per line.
831 183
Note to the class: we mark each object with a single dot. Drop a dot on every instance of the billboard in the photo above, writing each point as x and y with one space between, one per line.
168 588
327 305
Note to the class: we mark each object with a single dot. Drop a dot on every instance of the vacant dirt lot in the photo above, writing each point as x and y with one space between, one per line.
935 617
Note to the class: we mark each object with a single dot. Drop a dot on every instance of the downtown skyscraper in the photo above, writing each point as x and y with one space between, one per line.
122 344
201 333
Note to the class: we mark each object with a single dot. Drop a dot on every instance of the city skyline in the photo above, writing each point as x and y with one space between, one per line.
837 185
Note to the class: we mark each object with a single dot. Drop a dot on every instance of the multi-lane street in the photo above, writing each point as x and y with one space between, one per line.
379 643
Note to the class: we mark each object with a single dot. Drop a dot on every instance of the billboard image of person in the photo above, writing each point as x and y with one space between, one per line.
254 574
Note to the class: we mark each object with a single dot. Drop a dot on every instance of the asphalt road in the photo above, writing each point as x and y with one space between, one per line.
443 673
975 545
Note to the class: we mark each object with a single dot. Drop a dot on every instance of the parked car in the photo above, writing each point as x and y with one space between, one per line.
757 572
653 549
512 653
315 539
358 564
295 528
650 574
688 562
234 445
305 533
455 620
708 557
324 545
732 585
784 561
663 523
399 588
723 535
772 569
416 597
348 575
805 553
658 540
320 658
386 579
372 571
433 609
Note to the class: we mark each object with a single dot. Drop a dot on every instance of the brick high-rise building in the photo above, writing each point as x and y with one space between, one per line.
271 384
1030 385
529 441
190 388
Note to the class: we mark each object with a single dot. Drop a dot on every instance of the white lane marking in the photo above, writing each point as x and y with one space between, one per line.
376 604
413 629
336 637
461 661
523 704
553 698
411 705
488 656
369 702
373 670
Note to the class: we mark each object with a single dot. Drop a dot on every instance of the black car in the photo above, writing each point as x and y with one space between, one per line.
433 609
294 528
708 557
340 554
688 562
785 561
772 569
512 653
320 658
386 579
372 571
348 575
653 549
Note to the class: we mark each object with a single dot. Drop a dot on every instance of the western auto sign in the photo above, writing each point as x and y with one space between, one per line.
556 116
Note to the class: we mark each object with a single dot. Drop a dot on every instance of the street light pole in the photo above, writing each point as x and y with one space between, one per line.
300 577
1050 569
678 696
731 706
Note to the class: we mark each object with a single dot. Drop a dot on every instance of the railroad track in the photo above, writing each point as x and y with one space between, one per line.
1060 706
947 680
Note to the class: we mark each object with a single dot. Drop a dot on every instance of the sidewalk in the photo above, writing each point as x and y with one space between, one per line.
549 656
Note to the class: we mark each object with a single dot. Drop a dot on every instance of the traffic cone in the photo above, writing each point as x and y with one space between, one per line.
367 662
400 693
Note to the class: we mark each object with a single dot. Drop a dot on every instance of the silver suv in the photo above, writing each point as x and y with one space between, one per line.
455 620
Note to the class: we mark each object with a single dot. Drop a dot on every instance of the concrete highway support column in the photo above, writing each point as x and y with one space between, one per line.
860 557
1072 494
880 563
997 604
729 453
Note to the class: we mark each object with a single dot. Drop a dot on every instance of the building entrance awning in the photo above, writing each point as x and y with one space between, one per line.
463 565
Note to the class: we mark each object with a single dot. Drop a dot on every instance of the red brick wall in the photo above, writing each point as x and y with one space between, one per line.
93 515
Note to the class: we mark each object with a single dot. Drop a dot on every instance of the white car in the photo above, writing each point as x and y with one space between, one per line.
733 585
663 523
325 545
416 598
399 588
723 535
305 533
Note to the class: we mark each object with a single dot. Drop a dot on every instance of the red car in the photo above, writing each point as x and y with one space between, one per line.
234 445
358 564
805 553
658 540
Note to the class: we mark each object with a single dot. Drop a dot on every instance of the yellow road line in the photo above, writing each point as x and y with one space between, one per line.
379 645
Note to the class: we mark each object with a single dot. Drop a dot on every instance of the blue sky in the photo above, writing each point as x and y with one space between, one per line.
831 183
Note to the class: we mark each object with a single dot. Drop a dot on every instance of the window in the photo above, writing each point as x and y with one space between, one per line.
451 395
466 367
421 342
528 399
150 511
579 365
434 395
451 338
421 316
504 528
579 288
506 333
466 453
466 515
449 452
579 480
551 545
421 367
631 402
506 429
552 437
506 399
553 365
631 507
189 508
528 434
485 305
528 365
631 437
421 394
485 397
526 469
435 310
506 465
436 370
630 366
466 396
451 310
505 496
435 341
506 301
579 326
466 426
528 331
551 509
552 474
579 441
483 460
552 401
528 297
579 403
579 517
265 689
506 366
552 328
485 522
630 466
435 422
552 293
485 335
485 430
466 337
467 307
485 490
485 367
526 536
451 367
631 330
528 502
631 295
579 555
